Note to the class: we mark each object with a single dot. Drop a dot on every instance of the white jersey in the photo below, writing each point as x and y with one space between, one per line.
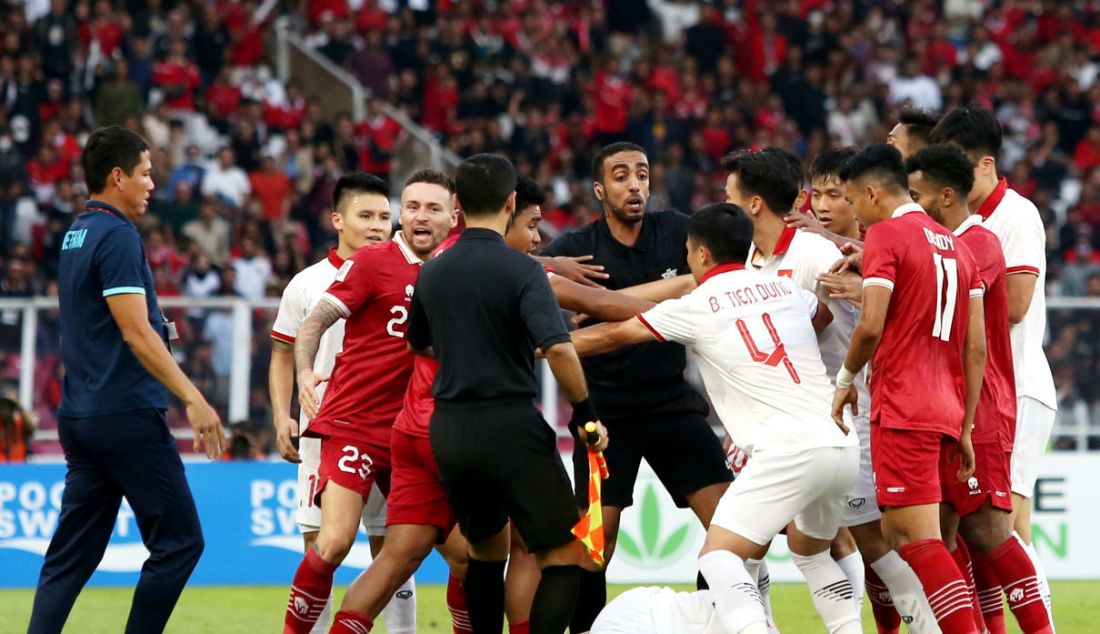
752 336
657 610
802 256
300 296
1016 222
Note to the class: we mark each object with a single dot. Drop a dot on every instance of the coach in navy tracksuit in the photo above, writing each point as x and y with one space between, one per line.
111 420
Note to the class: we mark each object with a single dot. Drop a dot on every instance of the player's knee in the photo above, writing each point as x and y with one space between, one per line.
985 536
333 548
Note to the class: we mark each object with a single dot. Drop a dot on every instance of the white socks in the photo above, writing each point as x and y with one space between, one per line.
740 607
758 570
399 615
1040 575
323 621
852 565
907 593
831 592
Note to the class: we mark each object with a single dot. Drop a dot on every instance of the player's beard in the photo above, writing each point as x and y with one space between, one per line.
622 215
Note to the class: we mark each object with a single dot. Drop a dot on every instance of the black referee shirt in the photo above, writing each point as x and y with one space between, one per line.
484 307
646 378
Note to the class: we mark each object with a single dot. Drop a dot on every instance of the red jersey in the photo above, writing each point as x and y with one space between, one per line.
995 420
917 375
416 411
373 290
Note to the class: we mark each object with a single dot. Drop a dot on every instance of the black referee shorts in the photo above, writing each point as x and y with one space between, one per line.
499 460
682 449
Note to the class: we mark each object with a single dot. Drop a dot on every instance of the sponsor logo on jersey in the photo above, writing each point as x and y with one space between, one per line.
856 503
895 489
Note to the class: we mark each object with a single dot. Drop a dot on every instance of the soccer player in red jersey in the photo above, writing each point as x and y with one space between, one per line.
940 179
922 320
372 292
418 515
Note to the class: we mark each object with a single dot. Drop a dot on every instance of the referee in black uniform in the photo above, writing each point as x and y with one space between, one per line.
482 308
111 419
640 391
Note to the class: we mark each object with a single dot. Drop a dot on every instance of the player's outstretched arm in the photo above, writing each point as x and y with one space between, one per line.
579 269
974 357
132 317
597 302
660 290
1021 288
323 315
611 336
280 385
822 317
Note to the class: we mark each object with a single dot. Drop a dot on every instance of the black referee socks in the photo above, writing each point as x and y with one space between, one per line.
555 599
592 597
484 587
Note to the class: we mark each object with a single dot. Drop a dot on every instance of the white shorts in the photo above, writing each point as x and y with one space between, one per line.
1034 422
809 486
657 610
861 507
309 514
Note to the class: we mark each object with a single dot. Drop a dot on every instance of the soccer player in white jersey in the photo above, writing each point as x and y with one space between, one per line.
361 216
755 338
1017 223
758 183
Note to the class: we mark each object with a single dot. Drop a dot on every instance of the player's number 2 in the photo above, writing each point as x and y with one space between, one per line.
947 288
401 315
354 462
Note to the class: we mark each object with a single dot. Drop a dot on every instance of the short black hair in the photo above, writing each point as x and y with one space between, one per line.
972 128
829 163
881 162
483 184
609 150
528 193
945 165
794 164
724 229
432 177
918 123
358 182
108 148
768 174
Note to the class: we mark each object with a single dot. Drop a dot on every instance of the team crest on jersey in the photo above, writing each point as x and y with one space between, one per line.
342 274
408 291
669 273
788 273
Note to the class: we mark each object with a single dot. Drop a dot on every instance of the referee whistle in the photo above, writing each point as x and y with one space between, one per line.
590 429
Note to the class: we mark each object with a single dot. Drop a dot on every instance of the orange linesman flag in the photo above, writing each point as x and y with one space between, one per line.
589 530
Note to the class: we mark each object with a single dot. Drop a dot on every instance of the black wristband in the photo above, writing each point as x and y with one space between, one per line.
583 412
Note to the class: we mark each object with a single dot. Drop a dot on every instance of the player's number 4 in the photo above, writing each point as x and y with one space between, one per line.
947 289
777 356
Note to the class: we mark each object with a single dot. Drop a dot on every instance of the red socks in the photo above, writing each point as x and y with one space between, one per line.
1013 568
519 628
349 622
308 594
961 555
989 593
887 619
943 584
456 603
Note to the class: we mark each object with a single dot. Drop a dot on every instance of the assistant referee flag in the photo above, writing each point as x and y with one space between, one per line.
589 530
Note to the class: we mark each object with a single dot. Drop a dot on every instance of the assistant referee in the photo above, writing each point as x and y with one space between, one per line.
112 415
482 308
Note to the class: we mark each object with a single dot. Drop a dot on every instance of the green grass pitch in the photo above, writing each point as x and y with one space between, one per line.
233 610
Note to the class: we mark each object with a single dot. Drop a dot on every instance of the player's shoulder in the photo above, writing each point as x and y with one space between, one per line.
815 246
1016 204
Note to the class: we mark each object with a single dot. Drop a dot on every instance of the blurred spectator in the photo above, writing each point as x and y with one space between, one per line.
225 180
16 431
253 268
118 98
210 232
273 188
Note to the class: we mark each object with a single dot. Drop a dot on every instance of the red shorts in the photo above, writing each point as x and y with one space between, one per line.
416 496
353 464
907 465
991 480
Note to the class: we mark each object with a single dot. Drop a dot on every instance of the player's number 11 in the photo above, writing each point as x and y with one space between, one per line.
947 274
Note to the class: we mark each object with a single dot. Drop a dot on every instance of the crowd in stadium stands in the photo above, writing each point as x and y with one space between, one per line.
245 164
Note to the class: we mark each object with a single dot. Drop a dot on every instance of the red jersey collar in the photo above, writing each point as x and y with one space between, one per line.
994 199
784 241
721 268
334 259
